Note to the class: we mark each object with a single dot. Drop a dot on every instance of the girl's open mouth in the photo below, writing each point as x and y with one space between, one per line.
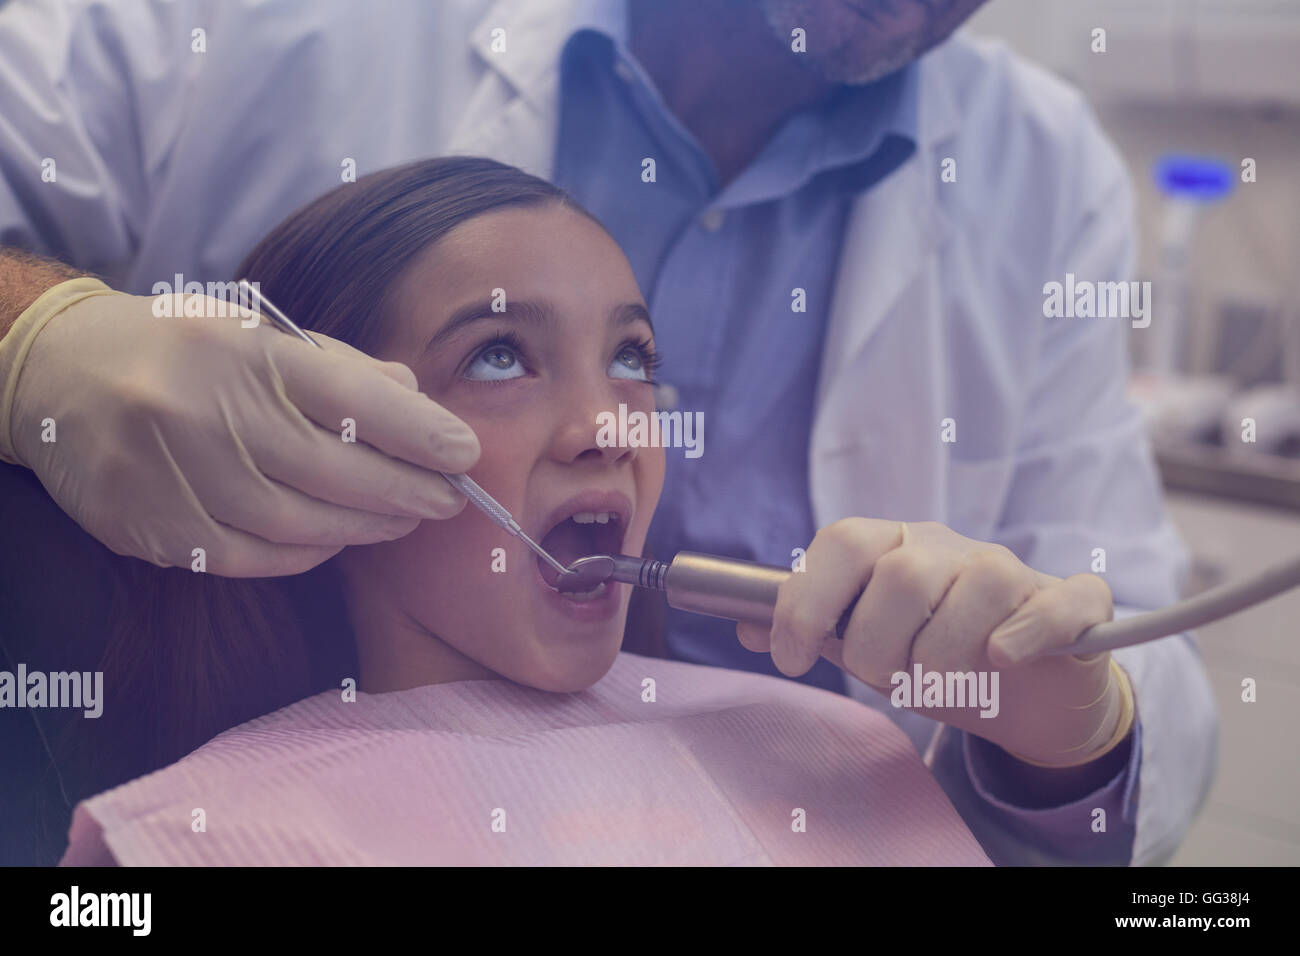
585 525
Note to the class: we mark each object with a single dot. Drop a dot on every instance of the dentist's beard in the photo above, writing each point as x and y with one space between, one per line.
840 65
853 74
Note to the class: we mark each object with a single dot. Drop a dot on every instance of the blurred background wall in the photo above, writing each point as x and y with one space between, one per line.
1214 77
1218 79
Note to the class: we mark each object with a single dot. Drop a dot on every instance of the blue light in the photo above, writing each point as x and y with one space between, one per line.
1197 178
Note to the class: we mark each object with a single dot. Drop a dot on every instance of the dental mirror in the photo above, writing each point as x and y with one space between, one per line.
585 574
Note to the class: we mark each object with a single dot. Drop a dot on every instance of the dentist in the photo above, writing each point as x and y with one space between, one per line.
842 217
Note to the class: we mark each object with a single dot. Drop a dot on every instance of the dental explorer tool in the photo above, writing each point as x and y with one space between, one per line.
462 483
745 591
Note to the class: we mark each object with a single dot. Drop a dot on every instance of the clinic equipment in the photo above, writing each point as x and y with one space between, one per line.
462 483
1190 183
745 591
1180 404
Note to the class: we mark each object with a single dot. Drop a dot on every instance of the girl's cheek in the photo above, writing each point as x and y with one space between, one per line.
491 401
507 452
648 471
652 482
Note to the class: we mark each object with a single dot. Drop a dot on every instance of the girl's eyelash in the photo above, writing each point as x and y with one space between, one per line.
651 360
509 339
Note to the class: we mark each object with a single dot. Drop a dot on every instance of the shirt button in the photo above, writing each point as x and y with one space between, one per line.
711 220
623 71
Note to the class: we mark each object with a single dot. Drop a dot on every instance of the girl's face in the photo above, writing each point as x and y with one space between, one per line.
527 323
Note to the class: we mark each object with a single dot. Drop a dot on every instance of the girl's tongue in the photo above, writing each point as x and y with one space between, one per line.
569 540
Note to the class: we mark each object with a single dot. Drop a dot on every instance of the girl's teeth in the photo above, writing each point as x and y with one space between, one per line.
594 593
592 517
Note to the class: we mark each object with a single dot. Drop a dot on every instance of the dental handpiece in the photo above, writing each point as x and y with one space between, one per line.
466 485
745 591
702 583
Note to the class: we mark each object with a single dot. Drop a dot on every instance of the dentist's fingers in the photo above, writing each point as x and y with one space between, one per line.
321 465
1053 616
328 386
278 514
757 638
399 373
238 554
840 561
907 583
754 637
989 587
833 651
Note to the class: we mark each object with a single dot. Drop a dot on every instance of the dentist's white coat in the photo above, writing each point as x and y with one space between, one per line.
171 160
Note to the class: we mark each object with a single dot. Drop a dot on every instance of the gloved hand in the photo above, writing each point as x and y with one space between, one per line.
179 433
953 604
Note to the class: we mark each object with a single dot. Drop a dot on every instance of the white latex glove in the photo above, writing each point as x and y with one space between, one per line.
932 597
179 433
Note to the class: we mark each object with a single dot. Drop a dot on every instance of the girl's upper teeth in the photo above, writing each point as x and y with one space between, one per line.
592 517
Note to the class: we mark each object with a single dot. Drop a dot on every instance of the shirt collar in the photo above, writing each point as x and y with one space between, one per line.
852 126
847 134
897 93
608 17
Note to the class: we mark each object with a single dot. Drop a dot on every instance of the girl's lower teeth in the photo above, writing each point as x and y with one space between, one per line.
591 595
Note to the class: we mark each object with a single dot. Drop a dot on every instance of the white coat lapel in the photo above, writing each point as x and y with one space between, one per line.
514 130
892 230
514 113
874 405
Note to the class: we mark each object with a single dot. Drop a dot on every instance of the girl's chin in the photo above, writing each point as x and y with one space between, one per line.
569 670
572 655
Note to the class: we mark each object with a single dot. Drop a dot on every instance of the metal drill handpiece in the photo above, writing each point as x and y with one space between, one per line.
586 573
745 591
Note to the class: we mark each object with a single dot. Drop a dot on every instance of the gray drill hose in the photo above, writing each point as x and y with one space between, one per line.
1209 606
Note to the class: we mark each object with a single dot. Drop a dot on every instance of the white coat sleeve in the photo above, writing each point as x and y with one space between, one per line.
1085 478
88 90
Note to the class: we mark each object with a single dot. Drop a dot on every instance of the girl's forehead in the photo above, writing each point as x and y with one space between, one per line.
548 253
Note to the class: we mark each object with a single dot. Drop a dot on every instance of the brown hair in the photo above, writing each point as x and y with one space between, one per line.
333 265
191 655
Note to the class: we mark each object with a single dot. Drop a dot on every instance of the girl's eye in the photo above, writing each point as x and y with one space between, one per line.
630 363
501 360
497 362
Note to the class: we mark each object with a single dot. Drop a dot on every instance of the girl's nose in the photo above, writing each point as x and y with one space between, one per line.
590 426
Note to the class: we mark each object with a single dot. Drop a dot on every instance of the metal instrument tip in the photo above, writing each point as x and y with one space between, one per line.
585 574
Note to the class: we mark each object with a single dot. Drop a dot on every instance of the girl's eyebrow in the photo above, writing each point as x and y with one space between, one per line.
631 312
535 313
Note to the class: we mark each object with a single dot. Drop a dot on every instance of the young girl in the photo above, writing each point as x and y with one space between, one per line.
493 720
